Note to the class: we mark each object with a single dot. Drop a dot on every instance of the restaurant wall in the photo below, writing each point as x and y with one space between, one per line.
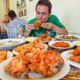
2 9
68 11
30 7
13 5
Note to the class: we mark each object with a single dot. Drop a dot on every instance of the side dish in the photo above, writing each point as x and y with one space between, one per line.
61 44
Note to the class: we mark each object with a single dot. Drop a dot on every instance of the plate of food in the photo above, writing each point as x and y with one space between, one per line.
5 54
72 56
30 39
61 45
9 44
45 38
30 47
56 70
76 43
68 37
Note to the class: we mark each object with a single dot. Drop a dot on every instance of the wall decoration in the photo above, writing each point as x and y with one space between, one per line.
30 0
21 8
21 3
25 12
22 13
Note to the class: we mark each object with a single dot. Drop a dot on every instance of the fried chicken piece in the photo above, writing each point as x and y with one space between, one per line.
43 62
45 37
76 51
75 55
3 55
53 58
17 65
38 44
37 24
38 64
75 58
41 68
24 49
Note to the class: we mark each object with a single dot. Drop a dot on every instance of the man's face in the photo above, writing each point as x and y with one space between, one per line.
6 19
42 13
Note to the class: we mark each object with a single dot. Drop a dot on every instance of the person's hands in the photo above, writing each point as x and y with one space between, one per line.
29 27
47 25
37 24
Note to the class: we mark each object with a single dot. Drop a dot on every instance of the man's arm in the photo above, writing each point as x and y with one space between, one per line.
55 28
59 30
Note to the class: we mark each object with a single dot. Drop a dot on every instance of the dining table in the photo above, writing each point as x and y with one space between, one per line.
73 74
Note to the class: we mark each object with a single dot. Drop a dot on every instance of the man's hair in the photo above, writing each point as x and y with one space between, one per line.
45 3
12 14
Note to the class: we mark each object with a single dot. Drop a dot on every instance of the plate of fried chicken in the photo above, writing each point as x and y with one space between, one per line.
41 65
30 47
72 56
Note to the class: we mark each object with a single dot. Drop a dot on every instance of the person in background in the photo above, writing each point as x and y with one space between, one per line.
16 26
49 23
3 24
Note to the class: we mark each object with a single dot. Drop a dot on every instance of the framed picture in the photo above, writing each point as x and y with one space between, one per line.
21 3
25 12
22 13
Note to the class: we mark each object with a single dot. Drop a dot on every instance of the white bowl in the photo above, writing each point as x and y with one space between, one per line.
9 44
67 37
60 48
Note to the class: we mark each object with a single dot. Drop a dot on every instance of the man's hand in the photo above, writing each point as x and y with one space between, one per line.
37 24
47 25
29 27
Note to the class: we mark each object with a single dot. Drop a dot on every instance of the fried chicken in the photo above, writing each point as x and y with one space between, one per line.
44 62
17 65
45 37
75 55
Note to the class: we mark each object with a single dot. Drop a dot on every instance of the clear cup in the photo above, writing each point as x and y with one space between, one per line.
12 31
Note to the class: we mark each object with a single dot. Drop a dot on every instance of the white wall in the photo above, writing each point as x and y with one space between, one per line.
68 12
31 8
13 5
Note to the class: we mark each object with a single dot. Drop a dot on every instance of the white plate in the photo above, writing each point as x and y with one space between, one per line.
60 48
65 55
59 37
9 44
30 39
49 41
64 71
16 53
9 54
76 43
